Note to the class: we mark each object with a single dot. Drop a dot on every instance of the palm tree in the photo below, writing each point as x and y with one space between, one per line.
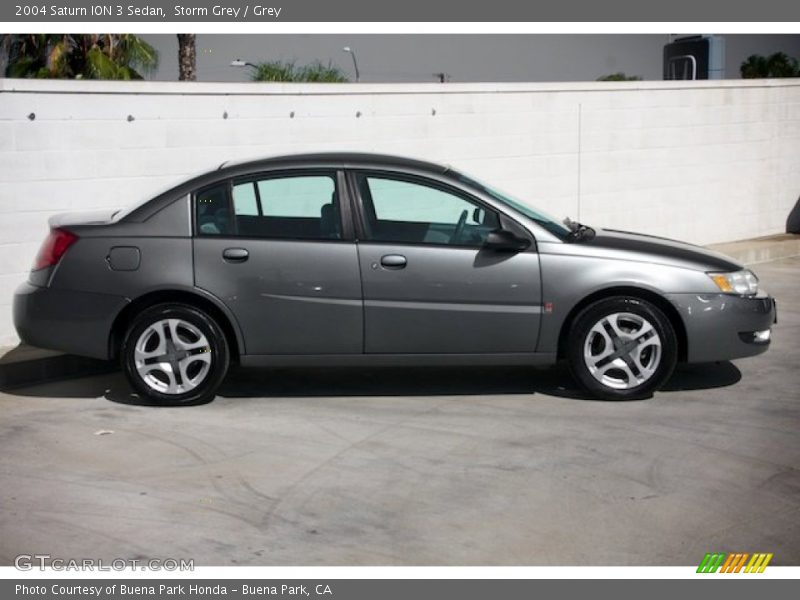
775 65
5 48
782 65
187 57
79 56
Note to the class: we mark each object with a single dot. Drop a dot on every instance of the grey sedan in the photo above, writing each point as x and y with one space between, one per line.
357 259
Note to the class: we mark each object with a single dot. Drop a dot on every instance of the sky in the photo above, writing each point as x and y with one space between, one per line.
466 58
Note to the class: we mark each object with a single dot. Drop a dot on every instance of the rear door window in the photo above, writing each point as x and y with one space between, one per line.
293 207
286 206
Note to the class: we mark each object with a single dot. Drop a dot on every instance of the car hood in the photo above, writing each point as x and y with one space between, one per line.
648 248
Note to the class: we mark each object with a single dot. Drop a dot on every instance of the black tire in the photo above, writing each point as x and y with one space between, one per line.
659 363
190 321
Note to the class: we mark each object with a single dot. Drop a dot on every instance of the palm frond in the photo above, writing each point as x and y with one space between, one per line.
80 56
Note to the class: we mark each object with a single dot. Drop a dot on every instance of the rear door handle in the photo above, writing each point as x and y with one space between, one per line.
235 254
393 261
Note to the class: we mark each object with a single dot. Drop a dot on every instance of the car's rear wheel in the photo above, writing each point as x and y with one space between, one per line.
175 354
622 348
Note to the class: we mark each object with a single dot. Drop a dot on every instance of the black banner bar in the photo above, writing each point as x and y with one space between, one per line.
408 10
716 586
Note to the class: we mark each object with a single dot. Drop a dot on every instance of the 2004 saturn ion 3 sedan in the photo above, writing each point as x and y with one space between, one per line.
356 259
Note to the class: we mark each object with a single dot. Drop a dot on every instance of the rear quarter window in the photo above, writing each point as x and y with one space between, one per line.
213 211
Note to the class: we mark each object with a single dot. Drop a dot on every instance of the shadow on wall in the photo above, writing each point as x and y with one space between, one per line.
793 220
257 384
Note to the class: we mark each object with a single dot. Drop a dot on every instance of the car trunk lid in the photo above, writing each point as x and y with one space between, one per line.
93 217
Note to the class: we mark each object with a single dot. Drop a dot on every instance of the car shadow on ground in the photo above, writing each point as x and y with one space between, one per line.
425 381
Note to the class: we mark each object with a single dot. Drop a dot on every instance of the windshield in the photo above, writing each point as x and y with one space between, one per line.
546 221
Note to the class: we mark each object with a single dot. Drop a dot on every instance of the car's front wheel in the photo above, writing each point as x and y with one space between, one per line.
622 348
175 354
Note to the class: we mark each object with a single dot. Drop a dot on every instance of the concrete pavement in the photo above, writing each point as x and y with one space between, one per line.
415 467
760 250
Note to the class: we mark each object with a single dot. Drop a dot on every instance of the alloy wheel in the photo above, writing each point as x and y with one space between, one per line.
172 356
622 350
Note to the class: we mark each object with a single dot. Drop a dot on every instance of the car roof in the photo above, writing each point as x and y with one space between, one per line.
345 158
239 168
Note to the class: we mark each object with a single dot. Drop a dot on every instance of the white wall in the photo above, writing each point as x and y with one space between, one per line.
700 161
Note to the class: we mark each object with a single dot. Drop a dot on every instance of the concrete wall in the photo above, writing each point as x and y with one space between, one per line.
700 161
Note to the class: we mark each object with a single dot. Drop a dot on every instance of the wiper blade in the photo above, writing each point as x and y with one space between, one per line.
584 232
578 231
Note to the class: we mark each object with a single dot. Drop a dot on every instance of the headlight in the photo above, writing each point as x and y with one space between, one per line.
744 282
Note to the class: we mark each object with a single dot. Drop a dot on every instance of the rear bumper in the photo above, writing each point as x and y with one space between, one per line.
721 326
73 322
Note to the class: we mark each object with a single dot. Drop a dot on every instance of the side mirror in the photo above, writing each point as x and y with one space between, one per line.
504 240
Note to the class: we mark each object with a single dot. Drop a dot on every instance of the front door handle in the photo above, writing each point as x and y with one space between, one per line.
393 261
235 254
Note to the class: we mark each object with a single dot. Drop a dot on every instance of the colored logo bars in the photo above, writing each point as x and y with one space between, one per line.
734 562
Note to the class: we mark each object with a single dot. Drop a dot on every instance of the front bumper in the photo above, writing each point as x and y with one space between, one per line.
721 326
73 322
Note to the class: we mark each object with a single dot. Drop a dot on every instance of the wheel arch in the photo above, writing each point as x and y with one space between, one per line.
204 302
669 310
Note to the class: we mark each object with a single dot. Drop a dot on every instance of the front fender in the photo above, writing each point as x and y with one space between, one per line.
569 279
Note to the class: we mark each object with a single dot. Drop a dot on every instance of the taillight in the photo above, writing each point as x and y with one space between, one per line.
53 248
